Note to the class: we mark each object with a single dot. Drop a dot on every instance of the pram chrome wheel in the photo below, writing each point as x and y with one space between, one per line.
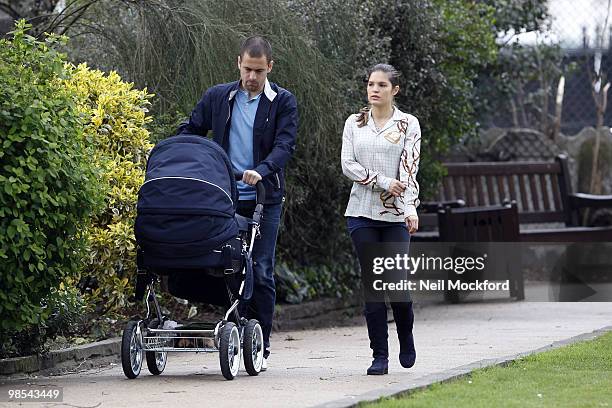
156 360
229 350
253 347
131 350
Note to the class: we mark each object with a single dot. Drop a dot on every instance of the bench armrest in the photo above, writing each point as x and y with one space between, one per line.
580 200
434 206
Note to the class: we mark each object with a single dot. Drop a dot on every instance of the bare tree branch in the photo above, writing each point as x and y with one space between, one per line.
68 12
10 11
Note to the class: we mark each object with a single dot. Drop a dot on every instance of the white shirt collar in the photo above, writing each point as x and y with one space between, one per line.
268 91
397 116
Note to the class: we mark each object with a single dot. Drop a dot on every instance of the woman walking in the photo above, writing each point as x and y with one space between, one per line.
380 154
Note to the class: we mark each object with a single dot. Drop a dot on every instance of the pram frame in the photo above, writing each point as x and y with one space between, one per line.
154 341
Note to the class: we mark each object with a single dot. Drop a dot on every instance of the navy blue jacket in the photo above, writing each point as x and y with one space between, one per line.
274 130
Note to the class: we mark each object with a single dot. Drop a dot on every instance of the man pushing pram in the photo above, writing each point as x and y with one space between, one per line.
254 125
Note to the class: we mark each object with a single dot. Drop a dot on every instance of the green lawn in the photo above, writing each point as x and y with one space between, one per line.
579 375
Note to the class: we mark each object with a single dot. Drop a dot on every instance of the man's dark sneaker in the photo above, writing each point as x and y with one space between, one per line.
264 364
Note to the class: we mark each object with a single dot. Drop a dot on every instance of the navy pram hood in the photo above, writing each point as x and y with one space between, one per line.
200 172
185 224
187 203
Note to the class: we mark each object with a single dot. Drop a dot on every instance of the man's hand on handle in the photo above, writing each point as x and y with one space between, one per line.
251 177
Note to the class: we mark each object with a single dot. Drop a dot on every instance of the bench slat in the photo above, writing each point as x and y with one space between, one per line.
447 190
504 168
479 190
513 196
459 190
535 197
491 191
500 188
542 217
469 192
545 197
568 234
554 181
521 183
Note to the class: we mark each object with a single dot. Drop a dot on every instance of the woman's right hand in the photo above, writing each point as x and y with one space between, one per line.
396 188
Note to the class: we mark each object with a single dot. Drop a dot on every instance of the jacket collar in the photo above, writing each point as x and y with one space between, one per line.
268 91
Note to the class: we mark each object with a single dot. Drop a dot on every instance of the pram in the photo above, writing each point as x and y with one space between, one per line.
187 229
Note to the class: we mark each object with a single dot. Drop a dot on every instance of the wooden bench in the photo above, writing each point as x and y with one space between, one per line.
542 191
498 223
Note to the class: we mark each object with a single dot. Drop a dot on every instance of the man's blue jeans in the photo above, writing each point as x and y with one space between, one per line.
261 305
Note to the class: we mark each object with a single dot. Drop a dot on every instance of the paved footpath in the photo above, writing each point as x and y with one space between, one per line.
321 367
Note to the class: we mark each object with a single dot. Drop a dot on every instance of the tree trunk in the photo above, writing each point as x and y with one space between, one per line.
558 109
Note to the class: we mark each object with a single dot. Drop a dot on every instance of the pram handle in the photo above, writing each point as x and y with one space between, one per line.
259 199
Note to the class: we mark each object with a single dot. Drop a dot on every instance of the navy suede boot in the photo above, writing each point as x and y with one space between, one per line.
376 319
407 356
404 320
379 366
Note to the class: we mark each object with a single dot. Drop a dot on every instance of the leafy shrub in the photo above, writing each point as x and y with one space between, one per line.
115 115
48 183
67 310
164 125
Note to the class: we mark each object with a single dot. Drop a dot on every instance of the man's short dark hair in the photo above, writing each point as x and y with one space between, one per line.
256 46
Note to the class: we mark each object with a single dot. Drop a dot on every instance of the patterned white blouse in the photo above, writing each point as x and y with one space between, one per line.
372 158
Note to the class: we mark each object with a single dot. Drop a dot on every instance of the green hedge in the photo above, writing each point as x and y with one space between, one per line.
48 185
115 115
